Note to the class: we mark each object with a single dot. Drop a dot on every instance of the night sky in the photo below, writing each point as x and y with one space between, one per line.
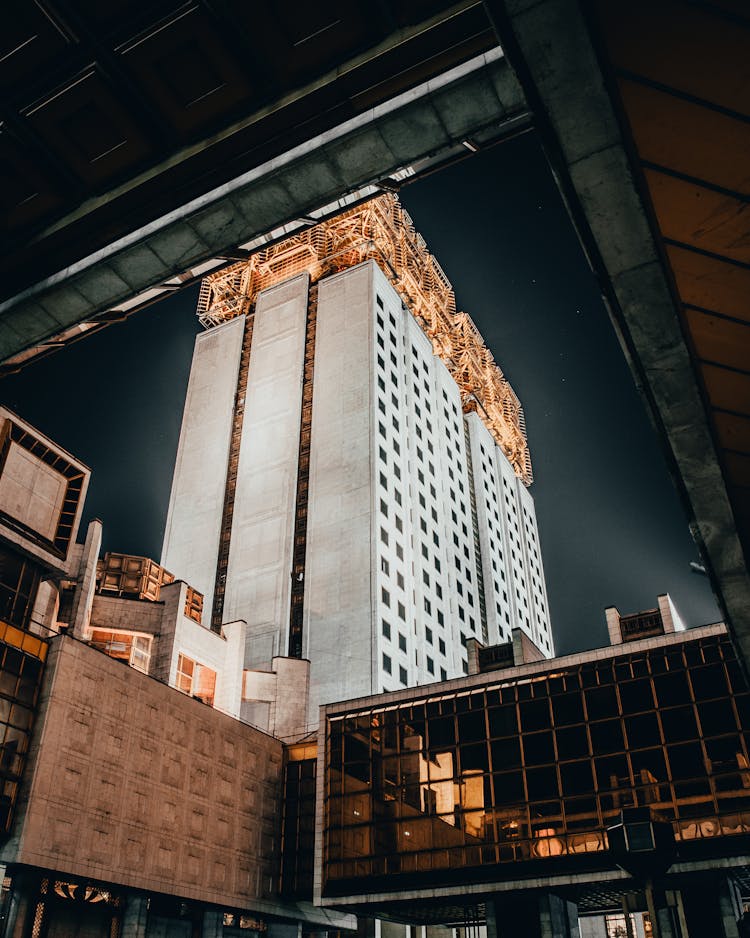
611 526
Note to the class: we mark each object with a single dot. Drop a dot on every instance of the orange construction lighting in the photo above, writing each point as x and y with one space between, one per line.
382 230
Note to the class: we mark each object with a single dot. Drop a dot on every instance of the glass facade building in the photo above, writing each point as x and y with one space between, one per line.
533 766
22 658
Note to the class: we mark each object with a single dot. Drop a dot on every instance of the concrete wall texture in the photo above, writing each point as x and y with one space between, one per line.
340 608
260 554
32 492
133 783
191 537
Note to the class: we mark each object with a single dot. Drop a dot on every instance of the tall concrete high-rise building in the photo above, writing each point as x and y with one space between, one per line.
352 473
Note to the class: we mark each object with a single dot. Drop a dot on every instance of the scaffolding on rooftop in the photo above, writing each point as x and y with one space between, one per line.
382 230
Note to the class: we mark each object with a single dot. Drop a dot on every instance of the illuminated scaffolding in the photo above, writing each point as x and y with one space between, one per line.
382 230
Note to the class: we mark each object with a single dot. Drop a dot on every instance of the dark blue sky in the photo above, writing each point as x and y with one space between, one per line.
612 530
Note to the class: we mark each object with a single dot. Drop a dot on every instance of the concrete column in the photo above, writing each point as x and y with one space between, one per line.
284 930
213 923
230 685
292 692
667 924
16 910
730 908
536 915
613 625
393 930
712 908
46 608
366 927
669 614
472 653
134 916
173 596
83 597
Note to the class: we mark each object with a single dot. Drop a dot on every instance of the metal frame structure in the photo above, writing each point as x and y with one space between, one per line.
382 230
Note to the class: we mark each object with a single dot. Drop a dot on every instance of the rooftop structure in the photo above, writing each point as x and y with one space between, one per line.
381 229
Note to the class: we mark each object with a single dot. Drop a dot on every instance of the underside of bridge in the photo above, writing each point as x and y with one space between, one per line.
145 145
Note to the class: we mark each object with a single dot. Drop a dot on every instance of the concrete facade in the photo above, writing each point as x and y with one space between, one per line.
260 554
513 575
393 589
191 537
419 535
38 480
134 784
340 608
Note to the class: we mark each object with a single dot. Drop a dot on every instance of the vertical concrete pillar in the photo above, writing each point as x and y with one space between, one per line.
16 909
213 923
472 653
491 920
730 908
613 625
83 597
393 930
537 915
46 608
366 927
285 930
667 924
230 684
711 908
172 596
669 614
134 916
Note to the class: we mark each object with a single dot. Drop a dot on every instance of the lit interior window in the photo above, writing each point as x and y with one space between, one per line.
195 680
132 648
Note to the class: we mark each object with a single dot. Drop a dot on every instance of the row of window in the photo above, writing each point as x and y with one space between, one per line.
396 419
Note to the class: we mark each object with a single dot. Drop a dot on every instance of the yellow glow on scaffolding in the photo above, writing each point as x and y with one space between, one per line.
382 230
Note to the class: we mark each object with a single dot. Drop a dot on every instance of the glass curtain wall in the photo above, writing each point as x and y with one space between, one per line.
536 769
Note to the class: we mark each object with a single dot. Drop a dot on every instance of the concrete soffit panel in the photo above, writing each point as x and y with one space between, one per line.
480 100
550 49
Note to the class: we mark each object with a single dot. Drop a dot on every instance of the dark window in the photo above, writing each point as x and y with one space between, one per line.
642 731
679 724
535 715
601 702
606 736
572 742
538 748
576 778
567 709
542 783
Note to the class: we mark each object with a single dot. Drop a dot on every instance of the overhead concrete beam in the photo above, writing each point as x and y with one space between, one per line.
548 44
477 99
